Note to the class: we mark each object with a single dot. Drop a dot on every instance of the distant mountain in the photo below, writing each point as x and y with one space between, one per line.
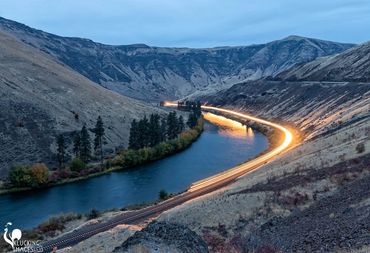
154 73
41 99
352 65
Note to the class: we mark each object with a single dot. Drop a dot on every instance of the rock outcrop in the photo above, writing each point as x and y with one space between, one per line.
352 65
163 237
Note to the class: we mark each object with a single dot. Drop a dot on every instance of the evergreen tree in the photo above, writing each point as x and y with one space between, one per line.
198 110
99 138
192 120
85 148
61 149
163 129
143 133
155 130
172 125
181 125
133 140
77 144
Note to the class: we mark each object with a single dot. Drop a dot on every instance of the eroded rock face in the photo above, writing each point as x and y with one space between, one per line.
352 65
154 73
164 237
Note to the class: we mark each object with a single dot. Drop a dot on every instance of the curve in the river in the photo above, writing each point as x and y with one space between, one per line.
217 149
198 189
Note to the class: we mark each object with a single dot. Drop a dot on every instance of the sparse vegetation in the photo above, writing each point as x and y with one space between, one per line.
61 150
55 224
93 214
360 148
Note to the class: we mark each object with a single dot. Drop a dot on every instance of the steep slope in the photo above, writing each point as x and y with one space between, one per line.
312 198
313 107
351 65
40 99
154 73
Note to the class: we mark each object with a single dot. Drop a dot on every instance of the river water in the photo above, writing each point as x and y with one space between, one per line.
222 145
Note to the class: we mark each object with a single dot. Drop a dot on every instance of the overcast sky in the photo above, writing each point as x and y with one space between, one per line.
194 23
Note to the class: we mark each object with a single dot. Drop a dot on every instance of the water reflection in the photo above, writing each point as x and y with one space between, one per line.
228 127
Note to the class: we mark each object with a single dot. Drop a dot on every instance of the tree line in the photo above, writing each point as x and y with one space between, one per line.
138 155
152 138
149 132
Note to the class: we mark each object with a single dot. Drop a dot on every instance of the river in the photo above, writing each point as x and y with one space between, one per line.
222 145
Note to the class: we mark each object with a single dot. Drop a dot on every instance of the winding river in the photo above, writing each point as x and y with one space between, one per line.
223 144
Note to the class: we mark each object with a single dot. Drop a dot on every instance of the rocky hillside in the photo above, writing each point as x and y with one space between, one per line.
313 198
313 107
41 99
352 65
154 73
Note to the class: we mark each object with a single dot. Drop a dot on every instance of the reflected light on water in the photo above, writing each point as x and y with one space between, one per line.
229 127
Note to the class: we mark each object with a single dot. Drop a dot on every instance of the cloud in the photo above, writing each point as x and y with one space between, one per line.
194 23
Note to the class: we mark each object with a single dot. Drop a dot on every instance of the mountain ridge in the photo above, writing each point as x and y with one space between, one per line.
156 73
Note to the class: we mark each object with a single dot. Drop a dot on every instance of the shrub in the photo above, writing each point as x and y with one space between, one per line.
77 165
360 148
163 194
93 214
50 226
17 176
59 174
39 173
57 223
24 176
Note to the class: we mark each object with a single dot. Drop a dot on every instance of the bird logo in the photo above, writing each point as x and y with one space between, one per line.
16 234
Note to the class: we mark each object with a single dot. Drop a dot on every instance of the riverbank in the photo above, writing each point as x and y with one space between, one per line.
248 159
130 159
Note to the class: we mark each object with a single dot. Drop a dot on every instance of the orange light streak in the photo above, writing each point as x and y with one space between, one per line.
248 166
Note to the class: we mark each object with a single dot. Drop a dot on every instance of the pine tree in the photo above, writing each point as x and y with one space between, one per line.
198 109
85 149
143 133
133 140
61 149
172 125
155 130
99 138
181 125
192 120
163 129
77 144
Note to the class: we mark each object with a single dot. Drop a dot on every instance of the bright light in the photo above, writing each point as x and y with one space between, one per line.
229 127
248 166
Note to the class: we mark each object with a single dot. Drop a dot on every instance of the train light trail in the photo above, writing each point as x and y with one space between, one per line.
248 166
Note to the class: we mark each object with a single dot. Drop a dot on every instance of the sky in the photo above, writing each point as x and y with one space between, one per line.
194 23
